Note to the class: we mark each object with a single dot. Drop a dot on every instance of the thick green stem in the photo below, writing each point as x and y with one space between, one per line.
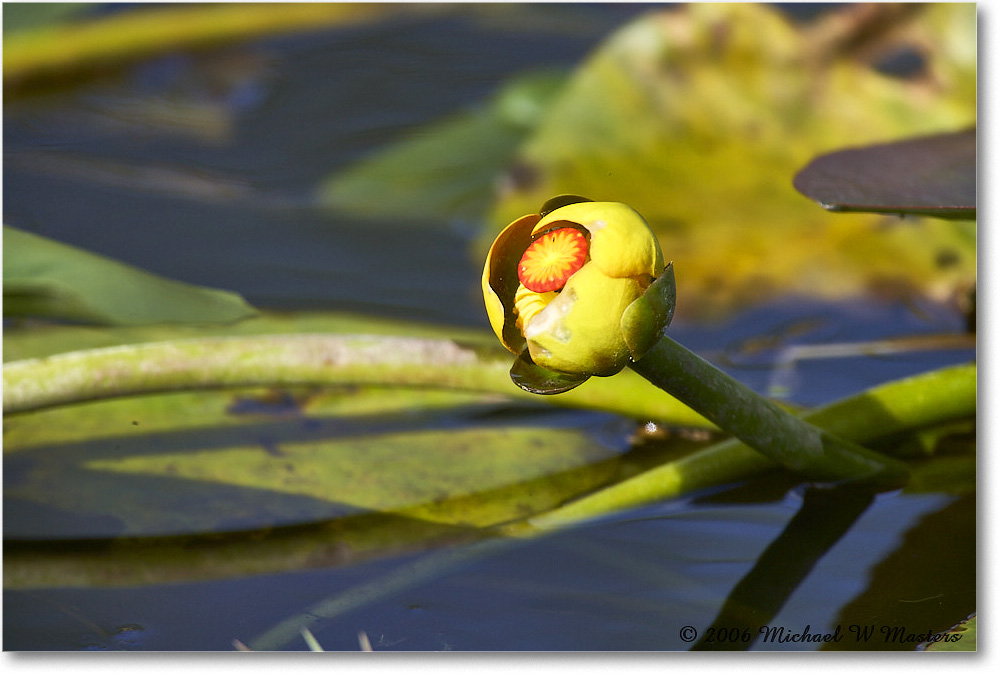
304 359
758 422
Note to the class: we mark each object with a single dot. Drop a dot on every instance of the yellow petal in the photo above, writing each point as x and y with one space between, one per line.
494 309
528 303
580 330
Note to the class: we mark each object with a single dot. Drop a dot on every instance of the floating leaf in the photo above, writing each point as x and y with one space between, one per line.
161 560
378 470
42 277
130 420
933 175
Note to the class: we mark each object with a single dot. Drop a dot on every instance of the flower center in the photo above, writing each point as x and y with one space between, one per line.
552 259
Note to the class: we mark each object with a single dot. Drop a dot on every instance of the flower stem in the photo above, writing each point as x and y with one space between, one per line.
761 424
310 360
890 409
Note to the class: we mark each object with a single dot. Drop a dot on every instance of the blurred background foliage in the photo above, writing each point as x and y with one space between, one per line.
697 117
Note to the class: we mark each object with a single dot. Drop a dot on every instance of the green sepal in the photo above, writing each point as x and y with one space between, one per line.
644 321
535 379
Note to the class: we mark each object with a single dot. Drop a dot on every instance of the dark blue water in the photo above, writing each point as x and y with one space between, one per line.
227 202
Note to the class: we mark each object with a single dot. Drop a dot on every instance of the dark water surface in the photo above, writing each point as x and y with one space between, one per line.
632 582
227 204
95 167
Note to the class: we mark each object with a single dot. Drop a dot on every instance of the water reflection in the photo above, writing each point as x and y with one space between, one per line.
630 582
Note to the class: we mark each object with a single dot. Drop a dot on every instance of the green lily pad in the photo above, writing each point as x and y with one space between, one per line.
162 560
45 278
131 419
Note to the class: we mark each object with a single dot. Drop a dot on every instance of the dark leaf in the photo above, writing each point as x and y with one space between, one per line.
931 175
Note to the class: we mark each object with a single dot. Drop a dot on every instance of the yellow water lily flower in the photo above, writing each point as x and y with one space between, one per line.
570 283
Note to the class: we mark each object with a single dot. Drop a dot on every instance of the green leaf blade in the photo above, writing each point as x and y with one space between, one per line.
45 278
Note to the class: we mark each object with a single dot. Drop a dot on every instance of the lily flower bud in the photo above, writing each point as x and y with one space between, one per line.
571 287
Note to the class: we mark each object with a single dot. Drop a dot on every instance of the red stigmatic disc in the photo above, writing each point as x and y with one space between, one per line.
552 259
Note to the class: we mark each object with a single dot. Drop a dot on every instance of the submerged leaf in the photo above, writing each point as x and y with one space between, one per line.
203 462
46 278
932 175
